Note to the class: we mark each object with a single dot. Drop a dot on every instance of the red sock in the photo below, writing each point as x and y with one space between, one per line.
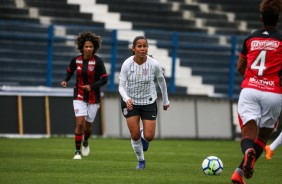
78 140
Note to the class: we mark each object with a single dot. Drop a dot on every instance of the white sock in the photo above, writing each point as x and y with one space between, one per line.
138 149
240 171
276 142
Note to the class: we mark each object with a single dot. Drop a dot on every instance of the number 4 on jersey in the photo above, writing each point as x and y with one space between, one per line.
259 63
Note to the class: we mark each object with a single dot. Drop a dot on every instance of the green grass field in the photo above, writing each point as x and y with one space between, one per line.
112 161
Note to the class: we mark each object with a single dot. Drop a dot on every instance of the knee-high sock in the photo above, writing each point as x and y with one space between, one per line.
78 139
138 149
87 134
245 145
277 142
259 146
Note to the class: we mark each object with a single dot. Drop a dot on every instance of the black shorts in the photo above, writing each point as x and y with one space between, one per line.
146 112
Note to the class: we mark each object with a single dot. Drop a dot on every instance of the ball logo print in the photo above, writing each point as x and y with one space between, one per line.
212 165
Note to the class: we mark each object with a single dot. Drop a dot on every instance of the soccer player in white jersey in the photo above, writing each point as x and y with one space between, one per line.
138 92
260 100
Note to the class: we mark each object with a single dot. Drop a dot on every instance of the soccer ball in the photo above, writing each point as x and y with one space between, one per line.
212 165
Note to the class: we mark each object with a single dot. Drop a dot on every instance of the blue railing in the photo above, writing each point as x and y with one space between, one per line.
174 45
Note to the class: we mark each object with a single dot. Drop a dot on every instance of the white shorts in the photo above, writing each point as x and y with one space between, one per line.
82 108
263 107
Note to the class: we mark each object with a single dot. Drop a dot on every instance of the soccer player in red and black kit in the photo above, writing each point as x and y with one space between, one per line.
260 100
90 76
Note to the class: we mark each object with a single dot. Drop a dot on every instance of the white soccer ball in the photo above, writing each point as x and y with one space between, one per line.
212 165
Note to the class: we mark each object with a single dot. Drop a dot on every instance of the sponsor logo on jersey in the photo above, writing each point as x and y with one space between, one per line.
78 68
261 82
264 45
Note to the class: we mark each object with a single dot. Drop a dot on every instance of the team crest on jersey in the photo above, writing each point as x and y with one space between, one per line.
145 71
125 112
91 68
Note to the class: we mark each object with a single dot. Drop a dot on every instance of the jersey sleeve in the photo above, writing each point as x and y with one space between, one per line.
122 81
159 73
71 69
102 74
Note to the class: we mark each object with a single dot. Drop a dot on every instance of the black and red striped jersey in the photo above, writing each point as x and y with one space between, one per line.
88 72
263 51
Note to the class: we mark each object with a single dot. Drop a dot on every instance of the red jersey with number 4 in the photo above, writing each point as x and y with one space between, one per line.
263 51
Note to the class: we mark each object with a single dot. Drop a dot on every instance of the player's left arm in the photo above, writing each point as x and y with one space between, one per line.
101 69
163 86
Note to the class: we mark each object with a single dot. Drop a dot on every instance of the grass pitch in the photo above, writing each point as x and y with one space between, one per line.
49 161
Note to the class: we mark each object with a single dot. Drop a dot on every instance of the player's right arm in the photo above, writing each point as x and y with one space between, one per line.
70 72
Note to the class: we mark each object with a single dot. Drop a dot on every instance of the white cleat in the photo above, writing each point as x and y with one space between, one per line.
77 156
85 148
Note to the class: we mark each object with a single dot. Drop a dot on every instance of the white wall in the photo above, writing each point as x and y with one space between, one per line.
187 117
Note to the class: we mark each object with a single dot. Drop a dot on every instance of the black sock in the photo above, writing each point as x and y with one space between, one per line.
259 146
87 134
245 144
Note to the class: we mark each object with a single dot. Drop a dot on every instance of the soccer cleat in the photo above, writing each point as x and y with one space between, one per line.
249 163
141 165
236 178
268 152
85 149
145 143
77 155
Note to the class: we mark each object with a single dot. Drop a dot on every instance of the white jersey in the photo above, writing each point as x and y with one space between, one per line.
138 81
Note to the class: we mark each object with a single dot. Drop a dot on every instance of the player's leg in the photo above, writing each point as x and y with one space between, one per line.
92 110
261 140
249 132
80 109
86 134
248 114
134 129
148 116
78 136
269 149
271 110
148 133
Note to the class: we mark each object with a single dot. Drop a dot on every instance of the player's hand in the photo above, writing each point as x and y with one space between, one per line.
64 84
165 107
86 87
129 104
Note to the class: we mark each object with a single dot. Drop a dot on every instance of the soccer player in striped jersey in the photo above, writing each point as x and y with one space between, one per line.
260 100
90 76
139 95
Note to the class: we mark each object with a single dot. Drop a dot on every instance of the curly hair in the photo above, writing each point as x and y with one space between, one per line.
88 36
270 12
